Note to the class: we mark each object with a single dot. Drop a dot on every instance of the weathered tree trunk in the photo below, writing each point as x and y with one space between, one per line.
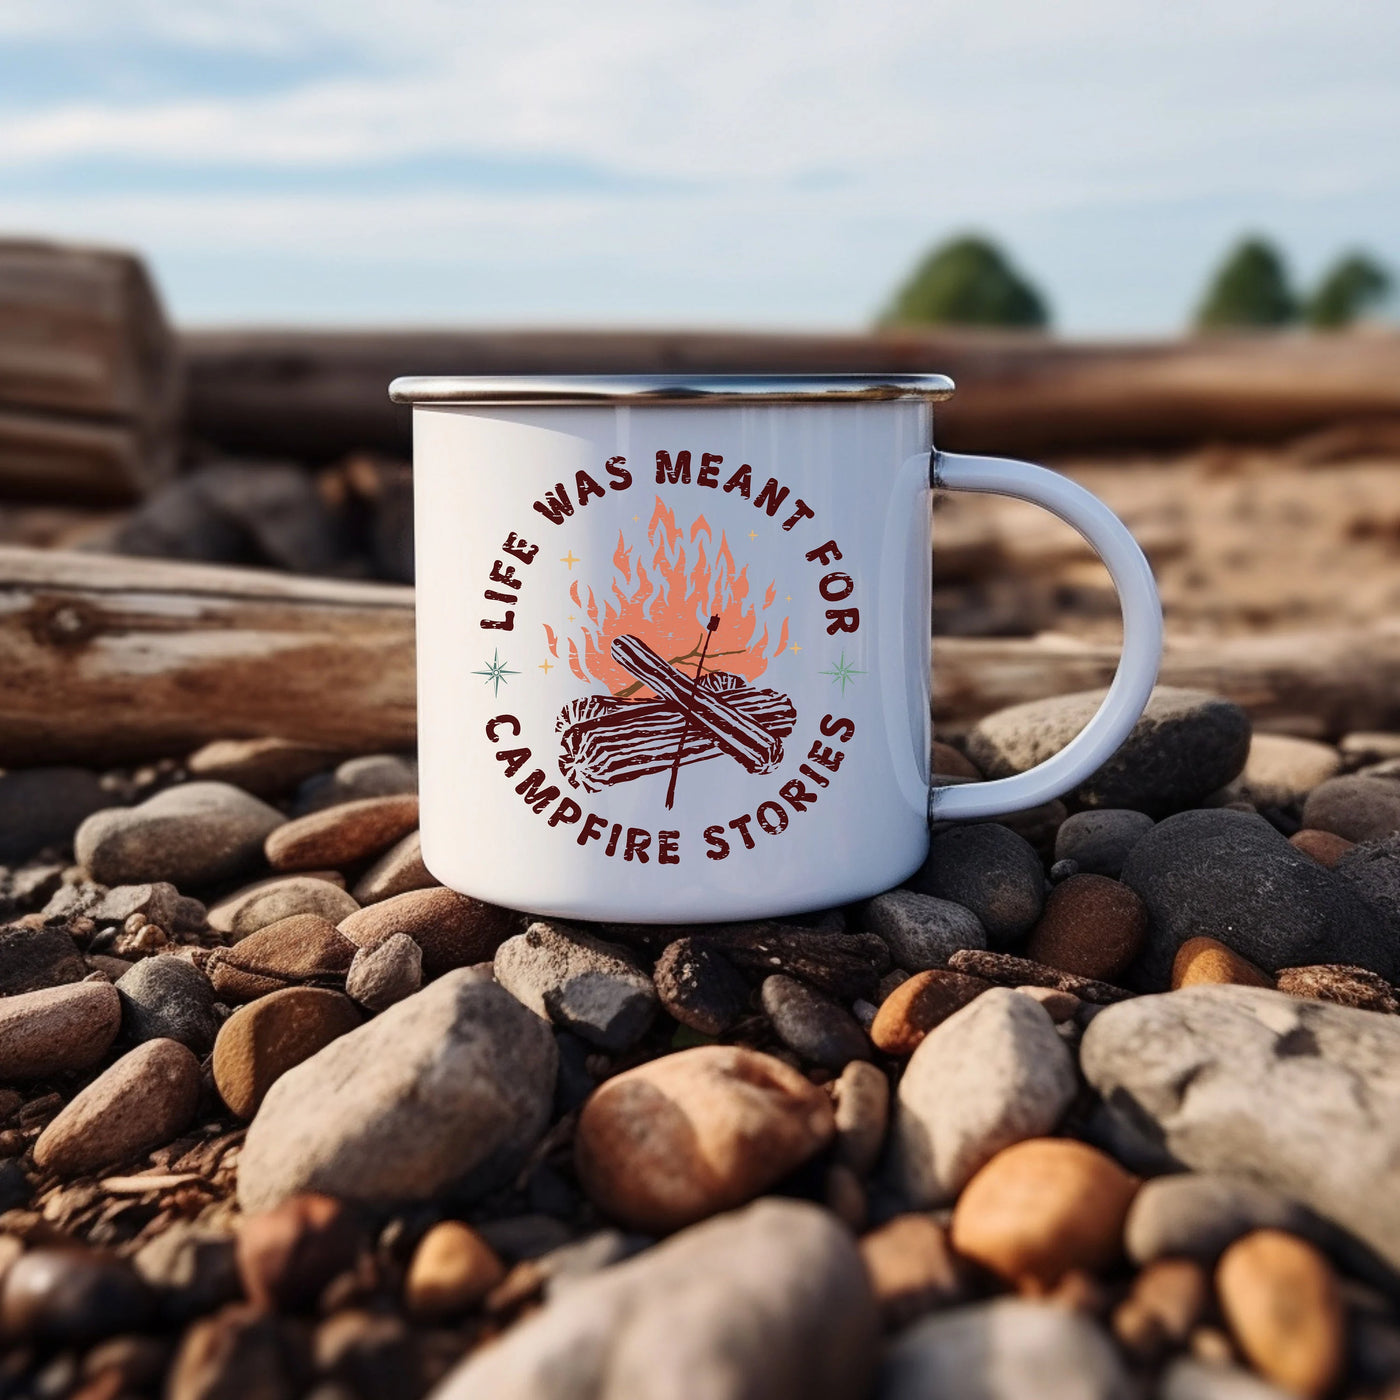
320 394
90 387
105 660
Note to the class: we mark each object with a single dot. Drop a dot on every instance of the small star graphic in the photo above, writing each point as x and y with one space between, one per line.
842 671
569 559
787 598
496 672
753 534
546 667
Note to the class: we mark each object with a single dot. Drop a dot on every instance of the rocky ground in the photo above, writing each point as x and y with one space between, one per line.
1105 1102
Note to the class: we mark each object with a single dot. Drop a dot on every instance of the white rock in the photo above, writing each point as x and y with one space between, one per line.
992 1074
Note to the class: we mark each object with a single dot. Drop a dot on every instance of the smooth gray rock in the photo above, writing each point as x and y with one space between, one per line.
990 870
812 1025
1300 1095
33 958
1189 1379
921 930
168 997
447 1091
1357 807
1004 1350
770 1302
1372 869
590 987
1099 839
386 972
42 807
372 775
1186 745
190 835
1231 876
158 900
1198 1215
992 1074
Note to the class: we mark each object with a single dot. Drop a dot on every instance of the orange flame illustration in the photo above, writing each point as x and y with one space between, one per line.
668 603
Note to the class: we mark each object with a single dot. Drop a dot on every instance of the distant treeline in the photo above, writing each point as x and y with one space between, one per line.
969 281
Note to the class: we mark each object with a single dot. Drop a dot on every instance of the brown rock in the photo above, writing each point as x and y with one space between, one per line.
1059 1006
1201 960
32 959
1042 1208
453 1269
1007 970
237 1354
1092 927
1168 1298
948 762
300 951
1346 986
452 929
399 870
288 1254
677 1139
1357 807
343 834
270 901
58 1028
919 1004
1284 1307
862 1104
912 1268
264 767
260 1042
148 1097
1325 847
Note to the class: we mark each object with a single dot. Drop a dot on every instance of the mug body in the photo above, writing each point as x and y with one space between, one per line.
673 657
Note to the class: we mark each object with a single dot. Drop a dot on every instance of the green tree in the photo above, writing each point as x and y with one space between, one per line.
1250 289
966 282
1353 285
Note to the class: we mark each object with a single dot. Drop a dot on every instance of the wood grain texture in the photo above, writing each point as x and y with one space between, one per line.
107 659
320 394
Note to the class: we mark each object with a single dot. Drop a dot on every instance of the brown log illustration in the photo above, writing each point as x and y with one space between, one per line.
742 738
607 741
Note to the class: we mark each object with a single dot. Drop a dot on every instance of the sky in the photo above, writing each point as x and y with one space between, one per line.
697 162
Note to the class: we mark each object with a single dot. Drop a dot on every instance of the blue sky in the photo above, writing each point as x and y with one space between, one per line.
748 163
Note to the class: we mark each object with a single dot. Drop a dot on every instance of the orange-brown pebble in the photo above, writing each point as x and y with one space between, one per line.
288 1254
912 1268
948 762
1092 926
1283 1305
1168 1298
1325 847
1205 960
920 1003
1042 1208
677 1139
339 835
453 1269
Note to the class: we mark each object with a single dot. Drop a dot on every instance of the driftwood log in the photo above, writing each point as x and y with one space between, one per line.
108 659
90 387
317 395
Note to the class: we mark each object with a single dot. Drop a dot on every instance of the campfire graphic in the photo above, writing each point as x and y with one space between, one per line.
651 643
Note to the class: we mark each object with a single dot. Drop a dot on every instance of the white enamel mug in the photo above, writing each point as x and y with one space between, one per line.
673 639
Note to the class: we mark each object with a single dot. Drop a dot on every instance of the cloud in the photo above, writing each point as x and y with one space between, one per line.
540 134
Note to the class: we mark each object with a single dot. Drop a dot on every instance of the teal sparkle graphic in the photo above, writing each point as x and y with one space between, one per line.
842 671
496 672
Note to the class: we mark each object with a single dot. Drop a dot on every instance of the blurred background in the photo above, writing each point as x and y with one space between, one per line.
1155 246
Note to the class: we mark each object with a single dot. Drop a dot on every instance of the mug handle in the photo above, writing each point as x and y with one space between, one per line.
1142 634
